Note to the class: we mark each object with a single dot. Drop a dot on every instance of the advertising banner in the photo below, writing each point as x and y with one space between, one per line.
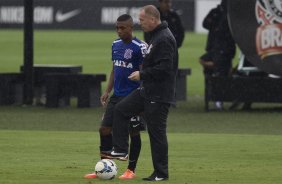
84 14
257 29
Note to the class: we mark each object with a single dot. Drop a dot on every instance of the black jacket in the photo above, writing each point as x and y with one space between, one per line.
219 39
175 26
160 66
211 23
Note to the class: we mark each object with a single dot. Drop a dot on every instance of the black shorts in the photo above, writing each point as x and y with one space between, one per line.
136 123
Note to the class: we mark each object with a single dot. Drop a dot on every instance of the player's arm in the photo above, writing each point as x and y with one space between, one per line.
105 96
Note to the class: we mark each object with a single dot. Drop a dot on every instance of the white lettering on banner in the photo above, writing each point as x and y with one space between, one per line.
11 14
109 15
15 14
134 12
43 15
271 38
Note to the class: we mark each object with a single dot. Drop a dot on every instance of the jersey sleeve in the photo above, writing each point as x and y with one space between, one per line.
142 51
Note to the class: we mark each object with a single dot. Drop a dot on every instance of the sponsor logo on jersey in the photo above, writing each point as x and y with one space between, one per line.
268 36
122 64
128 54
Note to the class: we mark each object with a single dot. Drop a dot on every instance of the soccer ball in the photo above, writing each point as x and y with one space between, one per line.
106 169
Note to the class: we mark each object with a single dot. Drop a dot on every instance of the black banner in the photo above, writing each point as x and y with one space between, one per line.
84 14
257 28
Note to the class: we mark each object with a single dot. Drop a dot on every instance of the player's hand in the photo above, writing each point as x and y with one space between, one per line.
104 99
135 76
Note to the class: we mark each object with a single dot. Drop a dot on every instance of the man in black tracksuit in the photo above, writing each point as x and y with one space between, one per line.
153 98
220 48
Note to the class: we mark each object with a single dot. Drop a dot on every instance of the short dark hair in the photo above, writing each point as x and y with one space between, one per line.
124 17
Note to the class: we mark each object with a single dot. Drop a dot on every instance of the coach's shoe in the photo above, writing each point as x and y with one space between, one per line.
116 155
90 176
127 175
154 177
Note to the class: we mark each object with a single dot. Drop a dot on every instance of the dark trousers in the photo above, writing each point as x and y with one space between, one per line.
155 115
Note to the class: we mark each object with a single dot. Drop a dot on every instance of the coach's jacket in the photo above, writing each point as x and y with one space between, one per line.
160 65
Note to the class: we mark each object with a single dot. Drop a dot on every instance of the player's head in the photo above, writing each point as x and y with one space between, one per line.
165 5
124 27
149 18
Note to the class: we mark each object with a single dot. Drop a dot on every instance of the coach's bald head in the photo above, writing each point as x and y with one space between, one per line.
149 18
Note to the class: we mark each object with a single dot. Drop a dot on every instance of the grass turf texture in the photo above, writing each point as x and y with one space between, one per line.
64 157
40 145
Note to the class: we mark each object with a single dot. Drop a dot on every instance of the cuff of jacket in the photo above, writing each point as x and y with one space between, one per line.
141 75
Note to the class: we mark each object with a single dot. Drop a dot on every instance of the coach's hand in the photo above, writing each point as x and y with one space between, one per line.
135 76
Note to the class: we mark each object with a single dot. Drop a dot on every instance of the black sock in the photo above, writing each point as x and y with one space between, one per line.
106 143
135 148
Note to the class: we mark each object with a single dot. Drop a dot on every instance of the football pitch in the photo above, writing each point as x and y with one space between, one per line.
59 146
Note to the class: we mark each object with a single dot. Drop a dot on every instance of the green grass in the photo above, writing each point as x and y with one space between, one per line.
188 117
92 49
47 146
64 157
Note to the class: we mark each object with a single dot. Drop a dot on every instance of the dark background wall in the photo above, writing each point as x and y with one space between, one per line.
84 14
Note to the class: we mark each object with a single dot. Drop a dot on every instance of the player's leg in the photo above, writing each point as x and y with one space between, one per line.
223 69
105 132
105 140
135 142
135 147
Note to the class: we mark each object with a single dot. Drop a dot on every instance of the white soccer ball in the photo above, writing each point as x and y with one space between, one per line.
106 169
